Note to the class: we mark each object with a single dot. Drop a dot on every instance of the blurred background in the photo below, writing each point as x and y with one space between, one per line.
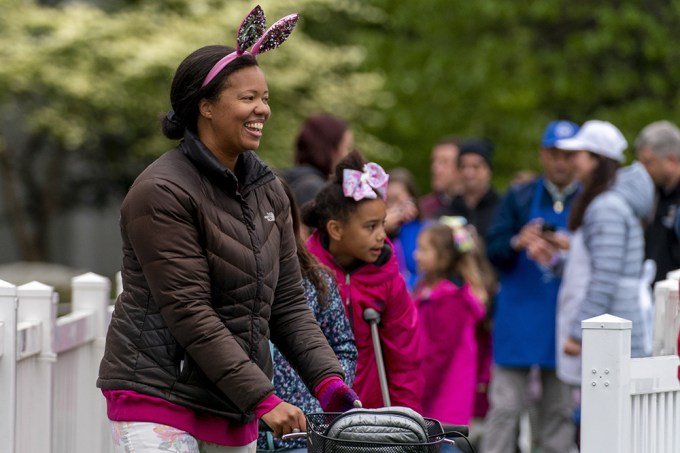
83 83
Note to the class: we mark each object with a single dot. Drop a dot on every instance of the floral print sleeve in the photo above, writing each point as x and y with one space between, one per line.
335 326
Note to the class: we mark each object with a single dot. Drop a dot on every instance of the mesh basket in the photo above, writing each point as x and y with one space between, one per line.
318 442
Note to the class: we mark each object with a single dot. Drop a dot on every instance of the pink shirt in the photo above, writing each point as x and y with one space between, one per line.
448 316
126 405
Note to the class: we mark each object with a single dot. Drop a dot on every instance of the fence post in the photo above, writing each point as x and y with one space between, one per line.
665 318
92 292
37 303
605 385
8 363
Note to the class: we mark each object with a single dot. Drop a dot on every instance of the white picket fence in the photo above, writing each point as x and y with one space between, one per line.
632 405
48 367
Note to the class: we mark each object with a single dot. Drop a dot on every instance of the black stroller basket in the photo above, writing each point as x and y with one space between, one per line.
386 432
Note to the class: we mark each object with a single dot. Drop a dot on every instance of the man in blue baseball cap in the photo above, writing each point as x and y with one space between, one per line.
558 130
523 240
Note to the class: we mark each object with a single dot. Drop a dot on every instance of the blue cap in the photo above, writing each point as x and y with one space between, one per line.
558 130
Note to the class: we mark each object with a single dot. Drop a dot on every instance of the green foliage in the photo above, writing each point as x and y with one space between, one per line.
82 89
96 82
82 86
504 69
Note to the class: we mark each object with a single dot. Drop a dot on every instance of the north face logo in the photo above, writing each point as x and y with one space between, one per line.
269 216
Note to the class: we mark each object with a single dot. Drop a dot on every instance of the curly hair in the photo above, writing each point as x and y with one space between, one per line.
310 267
331 203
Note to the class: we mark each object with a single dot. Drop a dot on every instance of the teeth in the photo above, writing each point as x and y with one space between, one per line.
257 126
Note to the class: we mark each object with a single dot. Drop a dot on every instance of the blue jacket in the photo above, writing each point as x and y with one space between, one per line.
525 306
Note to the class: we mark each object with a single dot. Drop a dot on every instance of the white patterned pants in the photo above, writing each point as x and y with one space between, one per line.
144 437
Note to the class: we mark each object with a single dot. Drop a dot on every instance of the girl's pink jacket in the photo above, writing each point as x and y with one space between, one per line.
448 315
380 286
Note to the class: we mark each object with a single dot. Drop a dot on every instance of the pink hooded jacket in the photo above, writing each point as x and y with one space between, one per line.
448 316
380 286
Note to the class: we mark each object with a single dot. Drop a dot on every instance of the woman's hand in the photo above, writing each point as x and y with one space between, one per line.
284 419
572 347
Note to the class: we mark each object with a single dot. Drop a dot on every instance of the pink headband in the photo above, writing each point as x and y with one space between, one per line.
360 185
252 30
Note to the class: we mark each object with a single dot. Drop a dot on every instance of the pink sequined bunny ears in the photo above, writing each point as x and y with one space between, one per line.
252 33
365 184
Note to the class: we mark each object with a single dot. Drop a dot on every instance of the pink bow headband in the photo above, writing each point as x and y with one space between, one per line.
364 184
252 32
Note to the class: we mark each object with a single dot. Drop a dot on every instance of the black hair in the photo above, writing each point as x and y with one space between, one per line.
331 203
598 181
310 267
186 91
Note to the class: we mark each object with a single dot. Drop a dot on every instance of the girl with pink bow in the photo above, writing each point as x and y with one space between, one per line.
348 215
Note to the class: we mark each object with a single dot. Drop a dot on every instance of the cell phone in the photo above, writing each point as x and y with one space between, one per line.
548 227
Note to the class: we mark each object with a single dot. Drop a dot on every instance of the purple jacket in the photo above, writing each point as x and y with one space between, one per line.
380 286
448 315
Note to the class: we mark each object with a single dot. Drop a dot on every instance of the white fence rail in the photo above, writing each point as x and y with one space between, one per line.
627 405
48 367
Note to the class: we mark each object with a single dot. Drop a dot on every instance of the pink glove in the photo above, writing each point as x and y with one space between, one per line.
335 396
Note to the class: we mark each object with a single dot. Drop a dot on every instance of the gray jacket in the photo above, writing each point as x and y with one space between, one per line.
614 238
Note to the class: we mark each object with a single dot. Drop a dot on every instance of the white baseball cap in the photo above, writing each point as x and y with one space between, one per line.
599 137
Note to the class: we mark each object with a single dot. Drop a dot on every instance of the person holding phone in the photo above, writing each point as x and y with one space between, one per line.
522 241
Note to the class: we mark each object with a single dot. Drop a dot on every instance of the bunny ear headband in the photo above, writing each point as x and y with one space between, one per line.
462 239
252 33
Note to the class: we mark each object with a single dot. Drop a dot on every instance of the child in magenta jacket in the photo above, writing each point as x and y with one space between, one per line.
348 215
450 303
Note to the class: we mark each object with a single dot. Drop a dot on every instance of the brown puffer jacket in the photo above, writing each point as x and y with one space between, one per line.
209 272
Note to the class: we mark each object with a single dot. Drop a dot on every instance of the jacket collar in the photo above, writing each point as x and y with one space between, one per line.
323 242
249 173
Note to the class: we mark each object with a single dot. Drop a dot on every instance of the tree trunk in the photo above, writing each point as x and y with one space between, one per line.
29 248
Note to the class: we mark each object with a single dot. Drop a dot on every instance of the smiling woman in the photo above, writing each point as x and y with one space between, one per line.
233 122
210 273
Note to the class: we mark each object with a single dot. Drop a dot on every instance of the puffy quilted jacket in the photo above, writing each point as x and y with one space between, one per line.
209 273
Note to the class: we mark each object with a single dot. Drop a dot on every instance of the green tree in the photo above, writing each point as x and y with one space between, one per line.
504 69
81 90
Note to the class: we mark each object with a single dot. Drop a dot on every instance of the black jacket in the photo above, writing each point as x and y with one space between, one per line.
480 216
209 273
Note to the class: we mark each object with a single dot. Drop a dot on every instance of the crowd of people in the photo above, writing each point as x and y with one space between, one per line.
251 295
501 283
